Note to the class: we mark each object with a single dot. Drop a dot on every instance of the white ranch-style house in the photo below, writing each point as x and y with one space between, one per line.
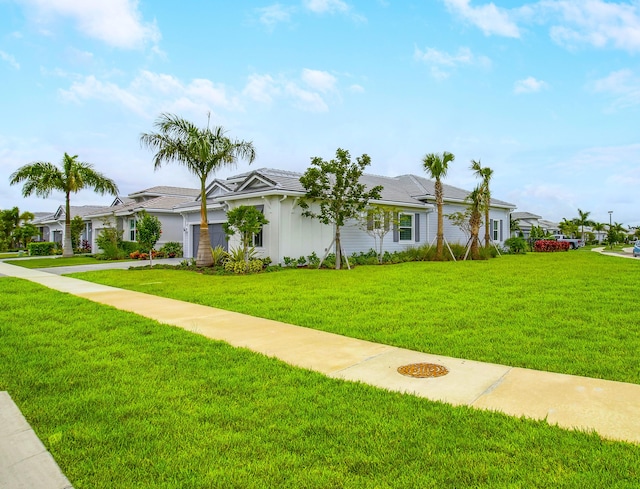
288 233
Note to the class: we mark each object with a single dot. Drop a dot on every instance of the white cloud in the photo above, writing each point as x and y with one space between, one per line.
274 14
442 63
9 59
319 80
624 85
595 22
150 93
326 6
305 99
489 18
529 85
115 22
261 88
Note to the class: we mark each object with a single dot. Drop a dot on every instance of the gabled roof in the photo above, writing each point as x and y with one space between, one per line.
524 215
167 191
403 189
157 204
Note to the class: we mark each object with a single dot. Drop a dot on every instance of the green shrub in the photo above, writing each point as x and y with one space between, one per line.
109 240
172 249
44 248
516 245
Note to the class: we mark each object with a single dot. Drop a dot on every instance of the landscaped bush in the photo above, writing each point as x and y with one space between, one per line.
516 245
172 249
549 245
44 248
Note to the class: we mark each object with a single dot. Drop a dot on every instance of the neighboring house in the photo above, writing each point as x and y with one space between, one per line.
157 201
289 234
51 226
527 220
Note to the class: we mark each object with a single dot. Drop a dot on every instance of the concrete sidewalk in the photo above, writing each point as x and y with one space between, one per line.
24 461
607 407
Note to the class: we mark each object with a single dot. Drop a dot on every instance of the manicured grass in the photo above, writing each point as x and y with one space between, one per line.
125 402
568 312
9 254
59 261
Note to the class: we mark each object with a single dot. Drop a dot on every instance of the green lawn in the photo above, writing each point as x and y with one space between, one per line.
125 402
59 261
573 312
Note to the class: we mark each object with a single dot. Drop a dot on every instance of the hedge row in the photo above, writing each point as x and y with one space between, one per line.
44 248
549 245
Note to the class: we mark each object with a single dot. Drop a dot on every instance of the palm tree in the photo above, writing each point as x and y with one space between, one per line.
582 221
598 227
436 166
514 225
486 174
567 227
202 152
42 178
476 201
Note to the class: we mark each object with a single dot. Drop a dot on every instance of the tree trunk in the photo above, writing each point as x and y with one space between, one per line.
338 249
487 233
204 257
475 231
440 235
67 247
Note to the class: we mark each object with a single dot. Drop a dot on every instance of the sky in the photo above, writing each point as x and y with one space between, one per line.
546 93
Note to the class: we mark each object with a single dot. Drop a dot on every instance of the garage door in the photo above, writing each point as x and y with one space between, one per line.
216 236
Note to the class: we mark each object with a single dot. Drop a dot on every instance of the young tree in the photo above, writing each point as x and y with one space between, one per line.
567 227
202 152
461 219
485 173
42 178
77 226
436 166
335 186
475 199
148 229
377 222
246 220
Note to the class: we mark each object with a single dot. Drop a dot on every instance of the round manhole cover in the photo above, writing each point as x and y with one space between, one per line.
423 370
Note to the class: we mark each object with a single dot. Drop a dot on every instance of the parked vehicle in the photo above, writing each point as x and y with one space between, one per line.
574 243
636 248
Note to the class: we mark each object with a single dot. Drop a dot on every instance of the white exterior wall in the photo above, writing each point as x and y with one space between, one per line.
356 240
454 234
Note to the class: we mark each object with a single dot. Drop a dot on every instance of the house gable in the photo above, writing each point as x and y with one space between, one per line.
256 182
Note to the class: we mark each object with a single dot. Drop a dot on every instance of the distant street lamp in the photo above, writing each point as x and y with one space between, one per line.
610 235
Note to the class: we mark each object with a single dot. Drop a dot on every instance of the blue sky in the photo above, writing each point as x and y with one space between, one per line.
546 93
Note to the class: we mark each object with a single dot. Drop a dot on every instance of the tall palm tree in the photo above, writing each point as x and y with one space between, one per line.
202 152
514 225
436 166
485 173
476 201
42 178
599 227
583 220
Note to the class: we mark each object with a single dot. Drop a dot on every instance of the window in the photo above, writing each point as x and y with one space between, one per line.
379 219
405 227
132 229
496 229
257 239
